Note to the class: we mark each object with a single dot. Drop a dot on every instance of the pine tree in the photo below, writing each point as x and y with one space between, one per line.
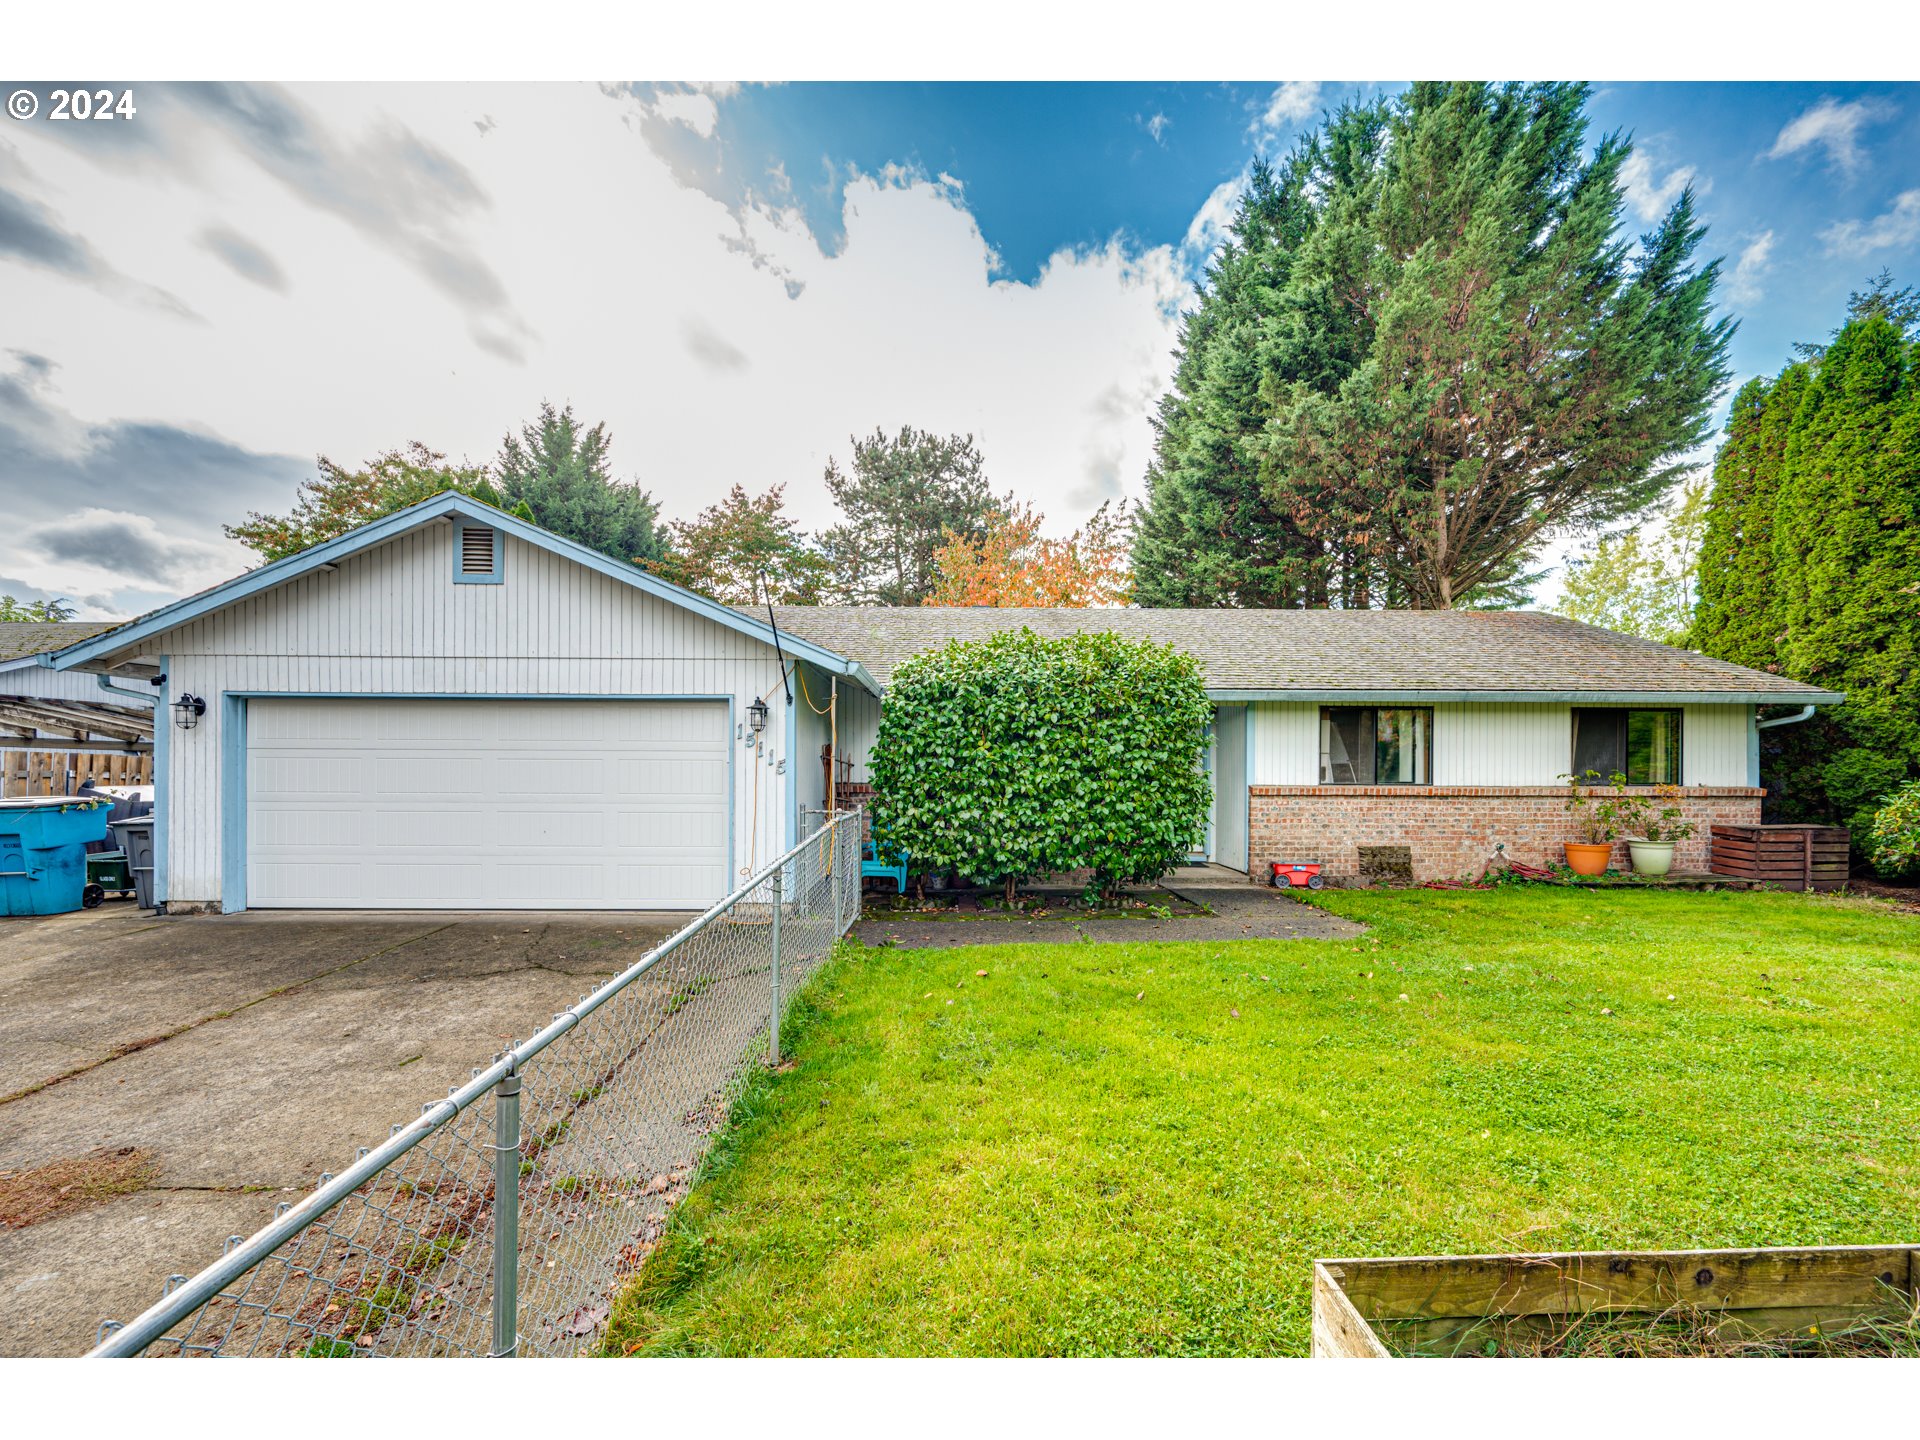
559 472
903 496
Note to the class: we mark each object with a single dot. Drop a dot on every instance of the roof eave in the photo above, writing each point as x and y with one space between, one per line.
1538 697
438 507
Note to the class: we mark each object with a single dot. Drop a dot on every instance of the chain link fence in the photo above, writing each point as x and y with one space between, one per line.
501 1221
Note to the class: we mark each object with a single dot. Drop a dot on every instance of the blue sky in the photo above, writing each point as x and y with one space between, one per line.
1045 166
734 278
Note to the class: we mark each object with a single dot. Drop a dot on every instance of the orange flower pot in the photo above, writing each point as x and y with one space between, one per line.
1588 859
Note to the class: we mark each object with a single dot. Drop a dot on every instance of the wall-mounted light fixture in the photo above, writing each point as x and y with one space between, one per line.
757 716
187 711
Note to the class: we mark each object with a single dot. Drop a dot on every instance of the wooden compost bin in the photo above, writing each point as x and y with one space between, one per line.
1435 1304
1795 857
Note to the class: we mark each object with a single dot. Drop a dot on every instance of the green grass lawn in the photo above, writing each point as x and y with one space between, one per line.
1137 1149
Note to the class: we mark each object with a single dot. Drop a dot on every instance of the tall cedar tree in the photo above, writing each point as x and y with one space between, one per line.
744 551
901 497
339 499
558 471
1846 551
1454 355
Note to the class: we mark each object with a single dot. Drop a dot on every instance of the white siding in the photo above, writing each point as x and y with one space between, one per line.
1713 744
1483 744
37 680
1286 743
391 621
859 724
1500 744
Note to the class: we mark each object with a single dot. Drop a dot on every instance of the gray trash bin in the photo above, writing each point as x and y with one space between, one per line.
136 839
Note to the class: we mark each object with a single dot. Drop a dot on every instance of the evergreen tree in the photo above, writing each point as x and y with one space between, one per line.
1846 551
903 496
557 472
1737 616
1427 349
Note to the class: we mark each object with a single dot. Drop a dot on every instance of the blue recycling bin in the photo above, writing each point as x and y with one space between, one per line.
43 852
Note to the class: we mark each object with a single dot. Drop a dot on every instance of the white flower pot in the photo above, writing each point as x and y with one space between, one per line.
1651 857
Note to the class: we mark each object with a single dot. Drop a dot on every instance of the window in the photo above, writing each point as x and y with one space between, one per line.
476 554
1368 746
1644 745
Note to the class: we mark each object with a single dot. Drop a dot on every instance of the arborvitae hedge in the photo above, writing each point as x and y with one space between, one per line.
1017 756
1811 567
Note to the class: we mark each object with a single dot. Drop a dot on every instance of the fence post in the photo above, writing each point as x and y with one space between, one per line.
506 1215
834 873
773 1041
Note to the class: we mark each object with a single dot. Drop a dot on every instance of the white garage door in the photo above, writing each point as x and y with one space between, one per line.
487 804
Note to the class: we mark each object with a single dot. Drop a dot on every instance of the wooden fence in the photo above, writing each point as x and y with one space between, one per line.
61 772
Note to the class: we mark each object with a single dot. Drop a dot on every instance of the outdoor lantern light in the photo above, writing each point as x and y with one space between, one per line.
757 716
187 711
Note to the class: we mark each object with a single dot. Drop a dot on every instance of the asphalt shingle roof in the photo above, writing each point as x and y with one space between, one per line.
1495 651
21 638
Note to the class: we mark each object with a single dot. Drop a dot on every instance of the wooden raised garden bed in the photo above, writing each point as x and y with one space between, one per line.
1697 1301
1795 857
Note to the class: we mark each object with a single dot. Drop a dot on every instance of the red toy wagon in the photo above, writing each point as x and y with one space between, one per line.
1296 874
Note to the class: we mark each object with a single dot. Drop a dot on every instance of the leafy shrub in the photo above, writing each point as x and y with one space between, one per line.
1018 756
1893 844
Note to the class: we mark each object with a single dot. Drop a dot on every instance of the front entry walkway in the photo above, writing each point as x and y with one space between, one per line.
1237 910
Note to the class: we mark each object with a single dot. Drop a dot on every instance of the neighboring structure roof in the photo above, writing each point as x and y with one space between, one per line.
35 720
1359 654
446 505
20 639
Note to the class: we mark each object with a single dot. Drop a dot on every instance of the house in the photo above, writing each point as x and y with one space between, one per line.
453 708
58 728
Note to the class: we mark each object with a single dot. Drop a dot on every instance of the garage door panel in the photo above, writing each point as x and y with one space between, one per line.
487 804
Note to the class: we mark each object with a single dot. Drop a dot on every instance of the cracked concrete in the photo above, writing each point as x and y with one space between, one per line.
248 1053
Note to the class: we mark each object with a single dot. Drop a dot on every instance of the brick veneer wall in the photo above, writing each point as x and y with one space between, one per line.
1451 829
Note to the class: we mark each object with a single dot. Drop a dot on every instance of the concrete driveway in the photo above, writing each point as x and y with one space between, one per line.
247 1053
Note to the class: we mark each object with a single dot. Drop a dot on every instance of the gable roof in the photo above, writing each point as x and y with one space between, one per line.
1378 655
23 639
448 505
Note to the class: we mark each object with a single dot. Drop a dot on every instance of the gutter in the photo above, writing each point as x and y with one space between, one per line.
1805 713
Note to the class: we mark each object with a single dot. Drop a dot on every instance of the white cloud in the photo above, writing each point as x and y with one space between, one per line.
1744 286
1897 227
1207 231
719 346
1155 125
1833 127
1651 199
692 108
1291 104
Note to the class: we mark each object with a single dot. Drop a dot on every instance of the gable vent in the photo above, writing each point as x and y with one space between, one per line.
476 551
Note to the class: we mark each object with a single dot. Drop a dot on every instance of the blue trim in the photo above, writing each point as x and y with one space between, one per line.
233 802
498 574
233 767
162 781
1753 746
1531 697
437 507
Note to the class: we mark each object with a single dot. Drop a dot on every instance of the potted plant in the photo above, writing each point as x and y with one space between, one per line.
1656 824
1595 822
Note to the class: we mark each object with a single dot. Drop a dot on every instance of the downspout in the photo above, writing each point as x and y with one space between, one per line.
1805 713
145 697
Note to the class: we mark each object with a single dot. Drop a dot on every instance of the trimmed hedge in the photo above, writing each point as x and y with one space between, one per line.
1016 756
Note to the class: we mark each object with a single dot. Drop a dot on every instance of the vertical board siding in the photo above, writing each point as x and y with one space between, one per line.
42 683
390 621
1485 743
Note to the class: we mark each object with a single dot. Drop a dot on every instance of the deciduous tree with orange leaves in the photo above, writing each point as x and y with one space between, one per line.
1014 564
